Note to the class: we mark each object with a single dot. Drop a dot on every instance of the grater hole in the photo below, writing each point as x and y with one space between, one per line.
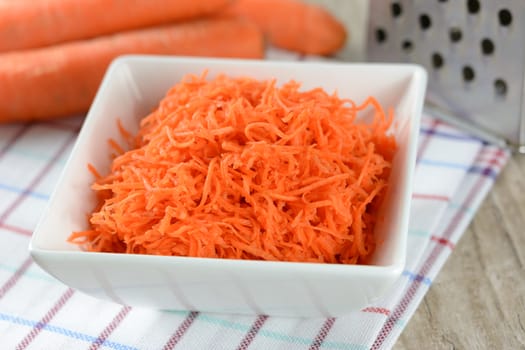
380 35
442 0
437 60
425 21
396 9
455 34
500 87
487 46
473 6
407 45
468 74
505 17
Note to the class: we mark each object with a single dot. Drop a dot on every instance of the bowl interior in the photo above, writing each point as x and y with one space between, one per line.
134 85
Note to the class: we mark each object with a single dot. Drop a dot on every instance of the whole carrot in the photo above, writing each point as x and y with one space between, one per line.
293 24
37 23
62 80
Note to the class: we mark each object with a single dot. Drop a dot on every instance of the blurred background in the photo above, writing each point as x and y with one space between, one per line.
354 15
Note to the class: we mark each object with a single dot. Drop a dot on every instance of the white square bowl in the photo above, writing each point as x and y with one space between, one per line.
133 85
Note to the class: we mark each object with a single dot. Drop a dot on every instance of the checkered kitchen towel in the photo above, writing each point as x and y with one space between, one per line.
454 172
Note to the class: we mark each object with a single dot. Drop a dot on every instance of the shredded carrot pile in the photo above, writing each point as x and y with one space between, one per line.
244 169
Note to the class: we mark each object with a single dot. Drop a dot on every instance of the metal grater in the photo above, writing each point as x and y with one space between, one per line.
474 52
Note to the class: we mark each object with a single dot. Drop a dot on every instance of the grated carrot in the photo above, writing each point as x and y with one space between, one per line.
243 169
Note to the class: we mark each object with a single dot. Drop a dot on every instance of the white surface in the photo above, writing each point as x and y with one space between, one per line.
232 286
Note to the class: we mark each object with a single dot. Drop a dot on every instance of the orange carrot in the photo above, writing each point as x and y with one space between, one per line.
293 25
242 169
62 80
37 23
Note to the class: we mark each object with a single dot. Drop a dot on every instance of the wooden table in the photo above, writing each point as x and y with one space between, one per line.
478 298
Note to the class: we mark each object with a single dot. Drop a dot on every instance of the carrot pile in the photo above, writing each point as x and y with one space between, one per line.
39 23
239 168
62 80
53 53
